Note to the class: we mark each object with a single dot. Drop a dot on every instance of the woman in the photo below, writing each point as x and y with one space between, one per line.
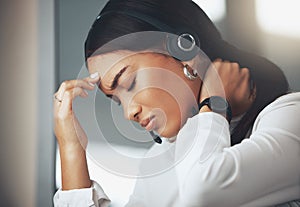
165 84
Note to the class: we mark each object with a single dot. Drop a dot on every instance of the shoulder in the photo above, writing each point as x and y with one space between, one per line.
282 113
290 98
282 102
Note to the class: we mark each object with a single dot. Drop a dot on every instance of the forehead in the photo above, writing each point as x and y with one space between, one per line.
104 62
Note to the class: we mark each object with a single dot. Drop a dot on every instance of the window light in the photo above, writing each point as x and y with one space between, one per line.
279 16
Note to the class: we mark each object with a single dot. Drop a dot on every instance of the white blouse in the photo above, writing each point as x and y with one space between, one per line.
263 170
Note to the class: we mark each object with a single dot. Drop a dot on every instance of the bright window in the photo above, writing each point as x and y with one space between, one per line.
215 9
279 16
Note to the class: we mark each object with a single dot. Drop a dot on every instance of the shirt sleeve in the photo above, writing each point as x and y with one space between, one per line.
85 197
260 171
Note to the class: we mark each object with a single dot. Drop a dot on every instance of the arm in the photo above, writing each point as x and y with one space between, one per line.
72 142
261 171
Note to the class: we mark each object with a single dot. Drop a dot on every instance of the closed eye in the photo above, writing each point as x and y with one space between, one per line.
132 84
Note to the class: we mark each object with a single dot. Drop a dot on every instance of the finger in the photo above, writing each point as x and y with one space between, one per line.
240 75
217 60
69 84
77 83
227 69
245 75
93 78
217 63
61 109
213 67
235 67
231 69
68 97
87 83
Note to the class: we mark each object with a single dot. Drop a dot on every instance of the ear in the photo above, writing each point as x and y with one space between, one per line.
191 63
197 63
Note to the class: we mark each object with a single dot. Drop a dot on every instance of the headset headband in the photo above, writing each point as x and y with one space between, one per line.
175 44
154 22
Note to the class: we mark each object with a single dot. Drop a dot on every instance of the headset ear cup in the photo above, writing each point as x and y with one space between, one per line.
173 43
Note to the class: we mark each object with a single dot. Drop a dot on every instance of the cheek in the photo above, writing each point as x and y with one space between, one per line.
168 111
166 91
157 98
169 84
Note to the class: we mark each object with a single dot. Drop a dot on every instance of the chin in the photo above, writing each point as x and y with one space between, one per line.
168 132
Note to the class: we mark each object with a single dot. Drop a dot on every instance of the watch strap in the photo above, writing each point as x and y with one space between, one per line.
208 102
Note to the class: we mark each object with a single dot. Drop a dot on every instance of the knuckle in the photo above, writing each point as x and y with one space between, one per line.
245 71
218 60
67 83
226 63
63 85
235 65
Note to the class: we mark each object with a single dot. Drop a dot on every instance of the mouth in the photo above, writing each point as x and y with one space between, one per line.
148 123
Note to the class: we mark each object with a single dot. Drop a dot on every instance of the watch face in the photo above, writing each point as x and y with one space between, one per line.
218 104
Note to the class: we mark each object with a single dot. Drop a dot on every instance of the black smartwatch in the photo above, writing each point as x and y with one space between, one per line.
218 105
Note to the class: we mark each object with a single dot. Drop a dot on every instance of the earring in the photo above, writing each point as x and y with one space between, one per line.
188 75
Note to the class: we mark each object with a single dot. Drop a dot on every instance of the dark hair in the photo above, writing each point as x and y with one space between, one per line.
269 79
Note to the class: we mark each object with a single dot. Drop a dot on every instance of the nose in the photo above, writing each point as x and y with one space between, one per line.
133 111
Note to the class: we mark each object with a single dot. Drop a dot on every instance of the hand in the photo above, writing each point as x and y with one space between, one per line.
67 129
231 82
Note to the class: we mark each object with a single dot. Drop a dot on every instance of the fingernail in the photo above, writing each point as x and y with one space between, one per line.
92 84
94 75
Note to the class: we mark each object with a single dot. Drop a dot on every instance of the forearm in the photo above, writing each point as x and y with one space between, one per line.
74 168
261 171
77 188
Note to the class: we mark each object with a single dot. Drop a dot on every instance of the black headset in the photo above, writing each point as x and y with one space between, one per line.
182 45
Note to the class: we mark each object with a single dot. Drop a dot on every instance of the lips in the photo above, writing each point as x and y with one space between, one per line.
148 123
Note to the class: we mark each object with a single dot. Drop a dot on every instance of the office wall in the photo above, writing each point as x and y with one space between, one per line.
74 20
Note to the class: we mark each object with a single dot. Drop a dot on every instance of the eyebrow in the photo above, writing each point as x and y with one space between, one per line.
114 83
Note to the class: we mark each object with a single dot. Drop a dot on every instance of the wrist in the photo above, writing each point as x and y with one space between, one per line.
70 144
216 104
205 109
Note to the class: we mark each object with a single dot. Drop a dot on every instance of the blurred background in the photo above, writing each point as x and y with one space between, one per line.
42 45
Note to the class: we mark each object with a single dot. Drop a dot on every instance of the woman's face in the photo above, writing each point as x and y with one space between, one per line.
150 86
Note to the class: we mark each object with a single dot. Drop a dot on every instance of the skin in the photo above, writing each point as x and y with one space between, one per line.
160 89
149 77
